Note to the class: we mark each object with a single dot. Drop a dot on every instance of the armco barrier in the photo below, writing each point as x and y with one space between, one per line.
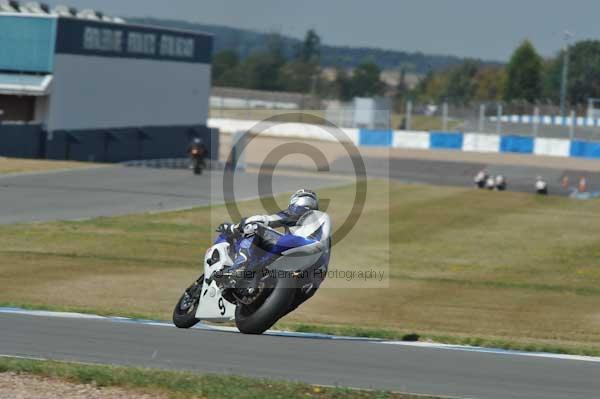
585 149
21 141
519 144
446 140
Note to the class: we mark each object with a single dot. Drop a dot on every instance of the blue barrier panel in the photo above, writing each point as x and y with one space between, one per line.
520 144
446 140
585 149
379 138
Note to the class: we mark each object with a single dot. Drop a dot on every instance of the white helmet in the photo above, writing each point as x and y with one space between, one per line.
303 199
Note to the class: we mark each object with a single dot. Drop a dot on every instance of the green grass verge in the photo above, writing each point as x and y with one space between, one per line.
466 266
183 384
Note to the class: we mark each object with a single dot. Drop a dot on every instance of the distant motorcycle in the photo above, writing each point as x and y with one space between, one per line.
257 297
197 159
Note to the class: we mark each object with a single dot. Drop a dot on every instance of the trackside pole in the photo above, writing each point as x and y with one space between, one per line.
536 121
572 125
499 120
445 116
238 158
481 124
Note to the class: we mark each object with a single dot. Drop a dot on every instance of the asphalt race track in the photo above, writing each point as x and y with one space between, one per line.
318 360
520 178
416 368
119 190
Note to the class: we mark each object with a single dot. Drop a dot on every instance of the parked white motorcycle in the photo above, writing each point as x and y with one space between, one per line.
257 298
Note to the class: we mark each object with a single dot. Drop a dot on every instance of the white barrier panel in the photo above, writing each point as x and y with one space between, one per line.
230 125
315 132
554 147
481 142
409 139
289 130
353 135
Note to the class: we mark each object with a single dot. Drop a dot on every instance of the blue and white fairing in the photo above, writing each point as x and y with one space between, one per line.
306 245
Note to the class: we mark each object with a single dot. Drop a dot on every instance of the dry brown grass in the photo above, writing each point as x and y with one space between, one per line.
20 165
462 263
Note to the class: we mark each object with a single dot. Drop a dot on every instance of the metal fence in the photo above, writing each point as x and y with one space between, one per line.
225 100
503 119
517 118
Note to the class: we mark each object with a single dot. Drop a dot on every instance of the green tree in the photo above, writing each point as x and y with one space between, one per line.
552 73
225 68
432 88
584 71
343 85
302 73
261 71
460 83
490 82
524 74
365 81
275 48
299 76
310 50
401 93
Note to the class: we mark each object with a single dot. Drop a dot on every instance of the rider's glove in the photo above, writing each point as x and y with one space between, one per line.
228 229
250 229
263 219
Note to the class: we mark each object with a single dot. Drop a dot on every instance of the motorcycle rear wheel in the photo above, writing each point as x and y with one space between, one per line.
263 314
184 314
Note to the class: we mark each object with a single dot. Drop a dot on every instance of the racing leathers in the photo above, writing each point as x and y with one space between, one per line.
260 238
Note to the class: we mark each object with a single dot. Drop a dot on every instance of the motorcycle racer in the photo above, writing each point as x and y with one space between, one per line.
257 230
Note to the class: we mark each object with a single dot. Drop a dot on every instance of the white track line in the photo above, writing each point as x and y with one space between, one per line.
208 327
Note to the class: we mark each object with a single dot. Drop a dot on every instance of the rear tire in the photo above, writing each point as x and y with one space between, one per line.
299 298
184 314
275 306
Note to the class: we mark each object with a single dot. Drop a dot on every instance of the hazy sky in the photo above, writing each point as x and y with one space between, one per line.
479 28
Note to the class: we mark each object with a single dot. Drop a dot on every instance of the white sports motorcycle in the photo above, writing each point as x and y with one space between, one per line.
257 297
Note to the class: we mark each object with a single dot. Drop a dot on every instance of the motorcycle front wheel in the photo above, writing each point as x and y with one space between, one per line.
262 314
184 314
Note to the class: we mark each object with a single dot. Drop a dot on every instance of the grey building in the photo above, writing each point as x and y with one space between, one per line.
89 89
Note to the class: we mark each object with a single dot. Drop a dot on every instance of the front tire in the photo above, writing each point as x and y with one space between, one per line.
184 314
259 318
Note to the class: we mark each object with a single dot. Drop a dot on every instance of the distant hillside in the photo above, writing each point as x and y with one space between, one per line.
247 42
